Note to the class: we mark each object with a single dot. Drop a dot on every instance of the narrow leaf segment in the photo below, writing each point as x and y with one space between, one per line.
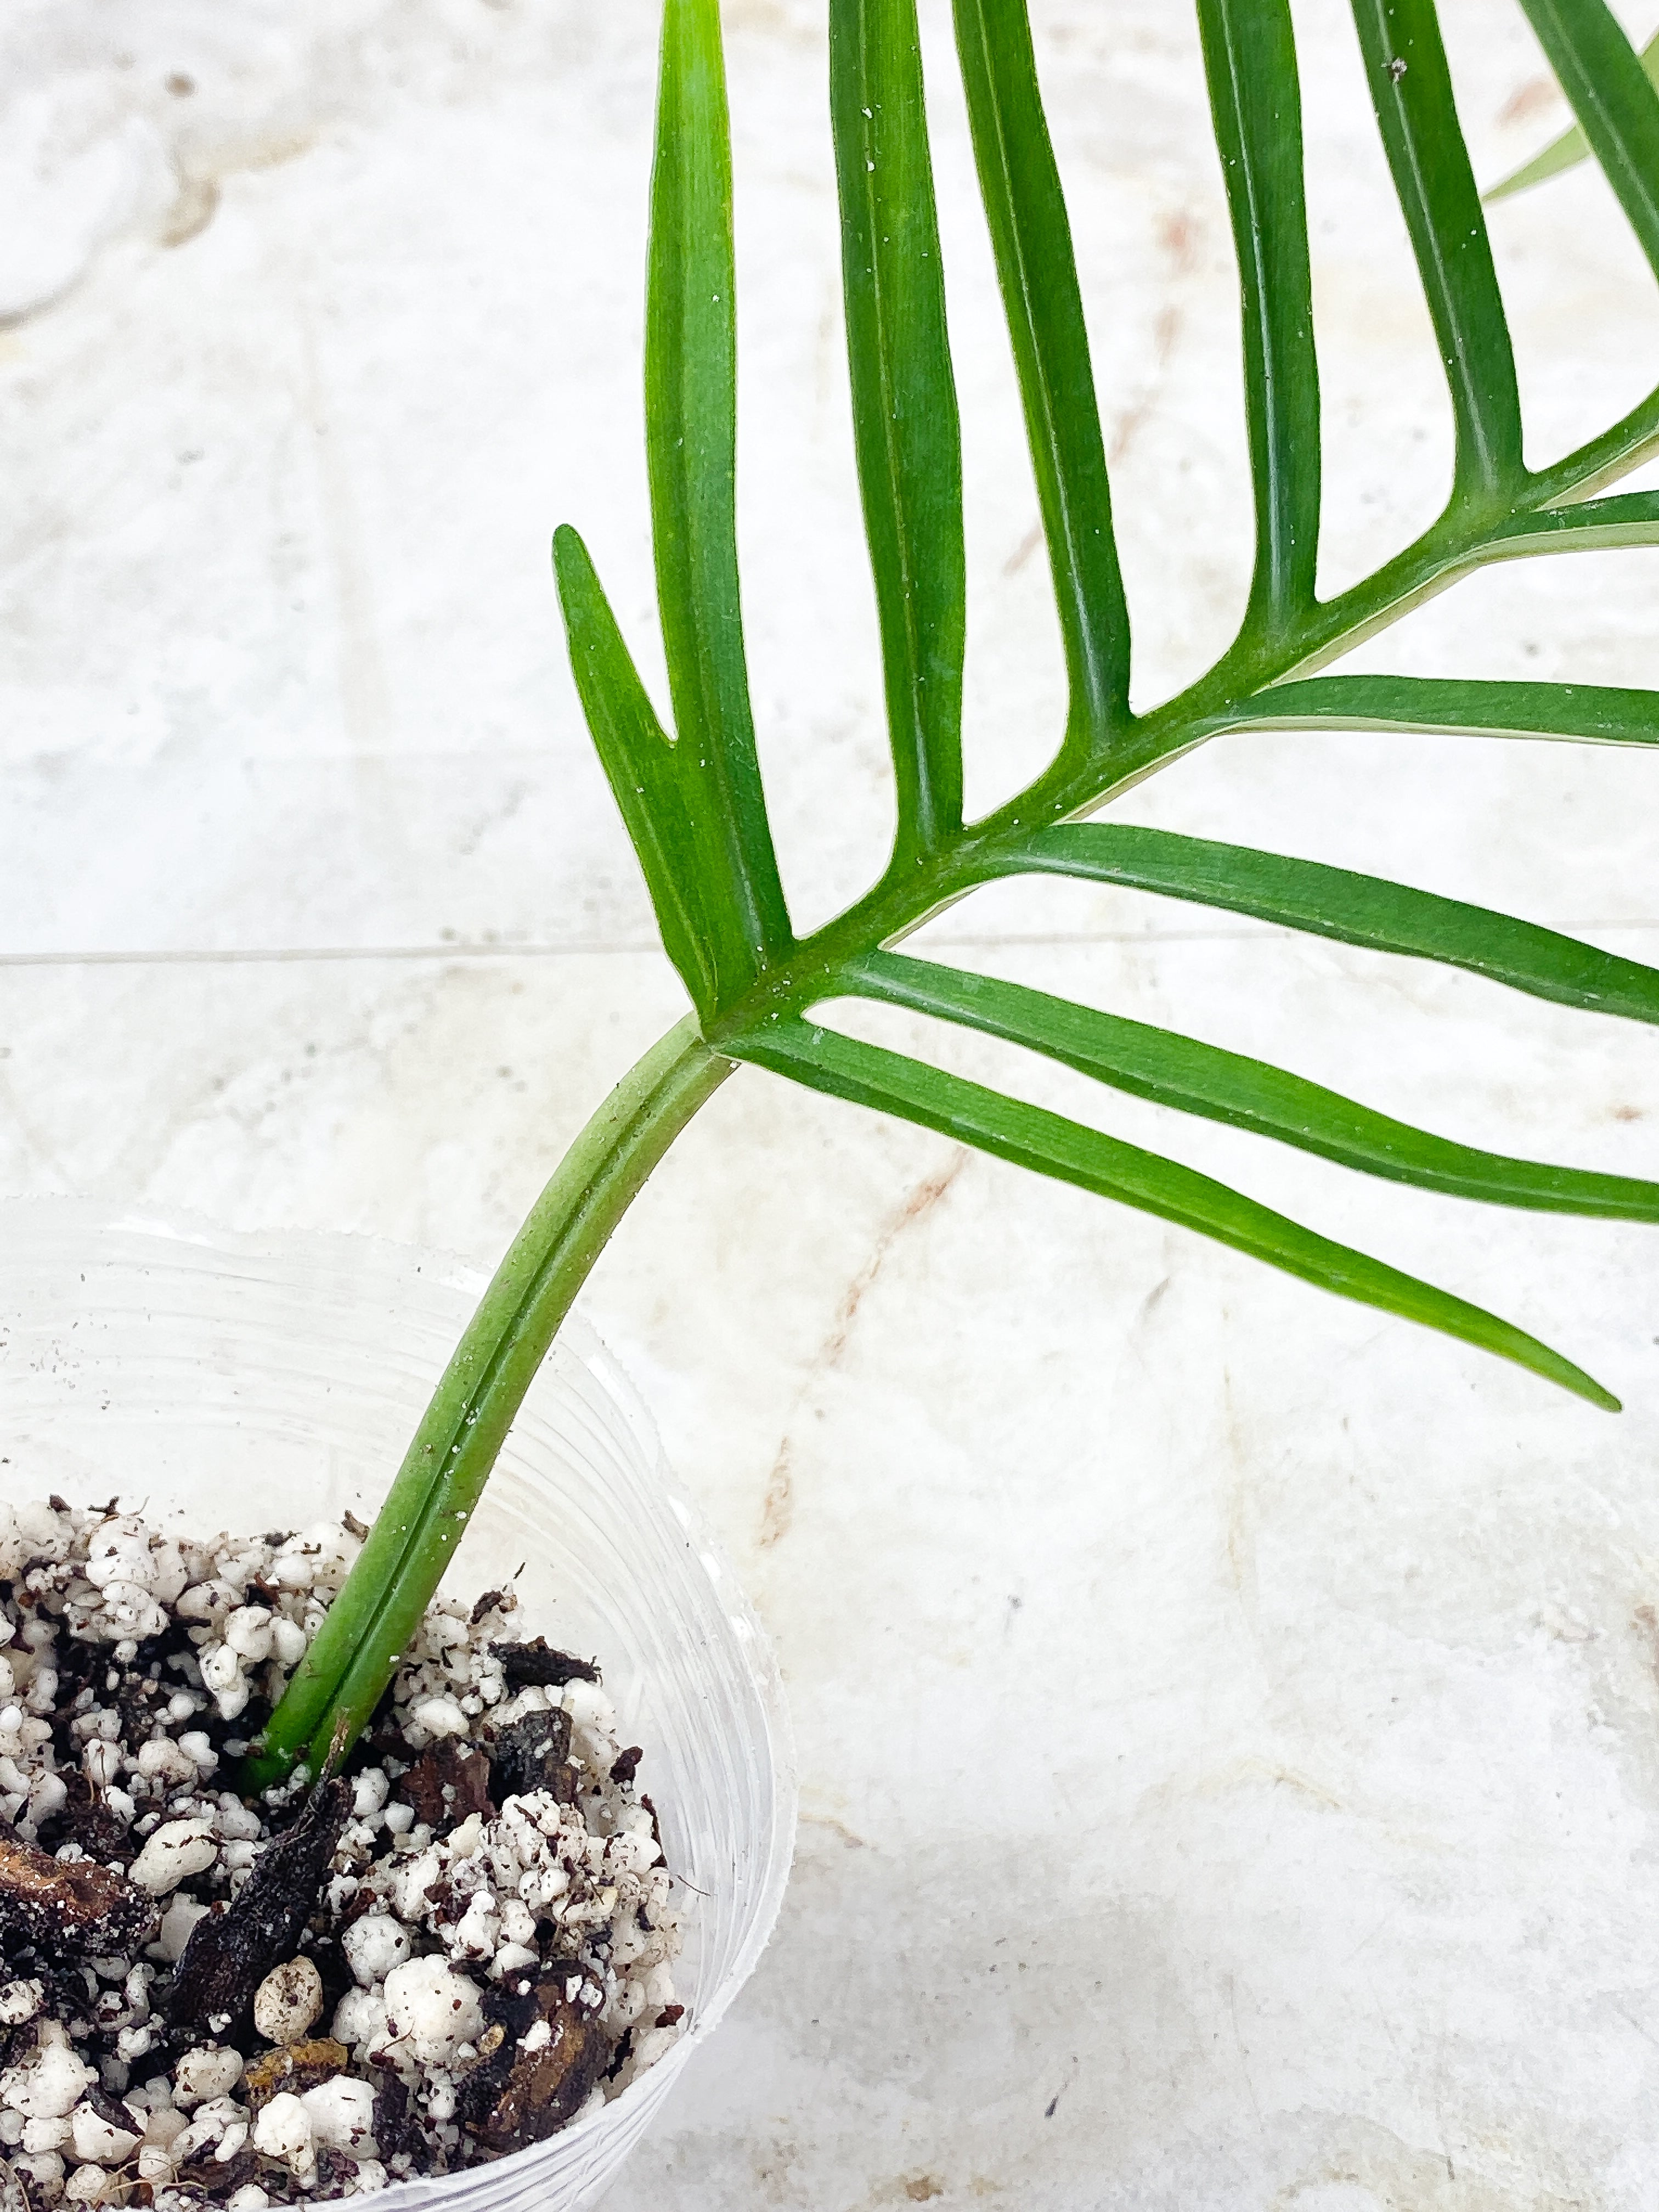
1250 58
1025 209
691 406
1031 1137
1570 149
673 829
1617 106
1354 910
1586 714
1595 526
904 405
1411 89
1246 1094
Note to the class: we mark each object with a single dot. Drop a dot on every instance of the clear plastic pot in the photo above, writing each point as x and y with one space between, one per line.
231 1381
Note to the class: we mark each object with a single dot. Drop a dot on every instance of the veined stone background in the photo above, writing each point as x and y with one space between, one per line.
1229 1720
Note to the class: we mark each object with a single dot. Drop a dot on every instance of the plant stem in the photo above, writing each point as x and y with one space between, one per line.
340 1681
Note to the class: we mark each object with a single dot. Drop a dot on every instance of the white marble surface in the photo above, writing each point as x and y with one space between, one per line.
1230 1721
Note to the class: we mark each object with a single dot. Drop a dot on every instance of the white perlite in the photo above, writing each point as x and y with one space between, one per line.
203 2076
49 2085
440 1901
176 1851
289 2001
429 2013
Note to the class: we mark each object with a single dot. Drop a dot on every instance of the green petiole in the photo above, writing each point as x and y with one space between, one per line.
341 1680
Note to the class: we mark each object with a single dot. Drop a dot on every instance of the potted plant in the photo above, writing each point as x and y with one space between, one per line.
693 800
257 1384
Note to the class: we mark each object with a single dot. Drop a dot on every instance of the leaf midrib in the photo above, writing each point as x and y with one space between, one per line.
913 893
1098 678
1276 524
927 807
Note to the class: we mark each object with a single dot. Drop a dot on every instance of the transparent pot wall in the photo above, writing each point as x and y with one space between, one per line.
241 1382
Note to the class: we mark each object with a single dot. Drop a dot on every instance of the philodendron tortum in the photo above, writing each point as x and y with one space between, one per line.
693 801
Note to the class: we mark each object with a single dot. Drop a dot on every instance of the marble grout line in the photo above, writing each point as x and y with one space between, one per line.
285 955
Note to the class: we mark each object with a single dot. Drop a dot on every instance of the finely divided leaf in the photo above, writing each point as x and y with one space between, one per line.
905 404
1617 106
691 387
1031 1137
1247 1094
1353 910
1249 58
1411 89
1025 210
694 807
1585 713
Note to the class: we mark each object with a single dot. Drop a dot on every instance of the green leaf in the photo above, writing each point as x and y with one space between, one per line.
1630 518
1249 59
1246 1094
639 761
1411 89
690 390
1617 106
1025 210
904 405
1585 713
694 807
1031 1137
1353 910
1571 148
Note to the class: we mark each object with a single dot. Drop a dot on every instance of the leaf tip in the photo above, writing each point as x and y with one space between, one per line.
574 576
1586 1386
